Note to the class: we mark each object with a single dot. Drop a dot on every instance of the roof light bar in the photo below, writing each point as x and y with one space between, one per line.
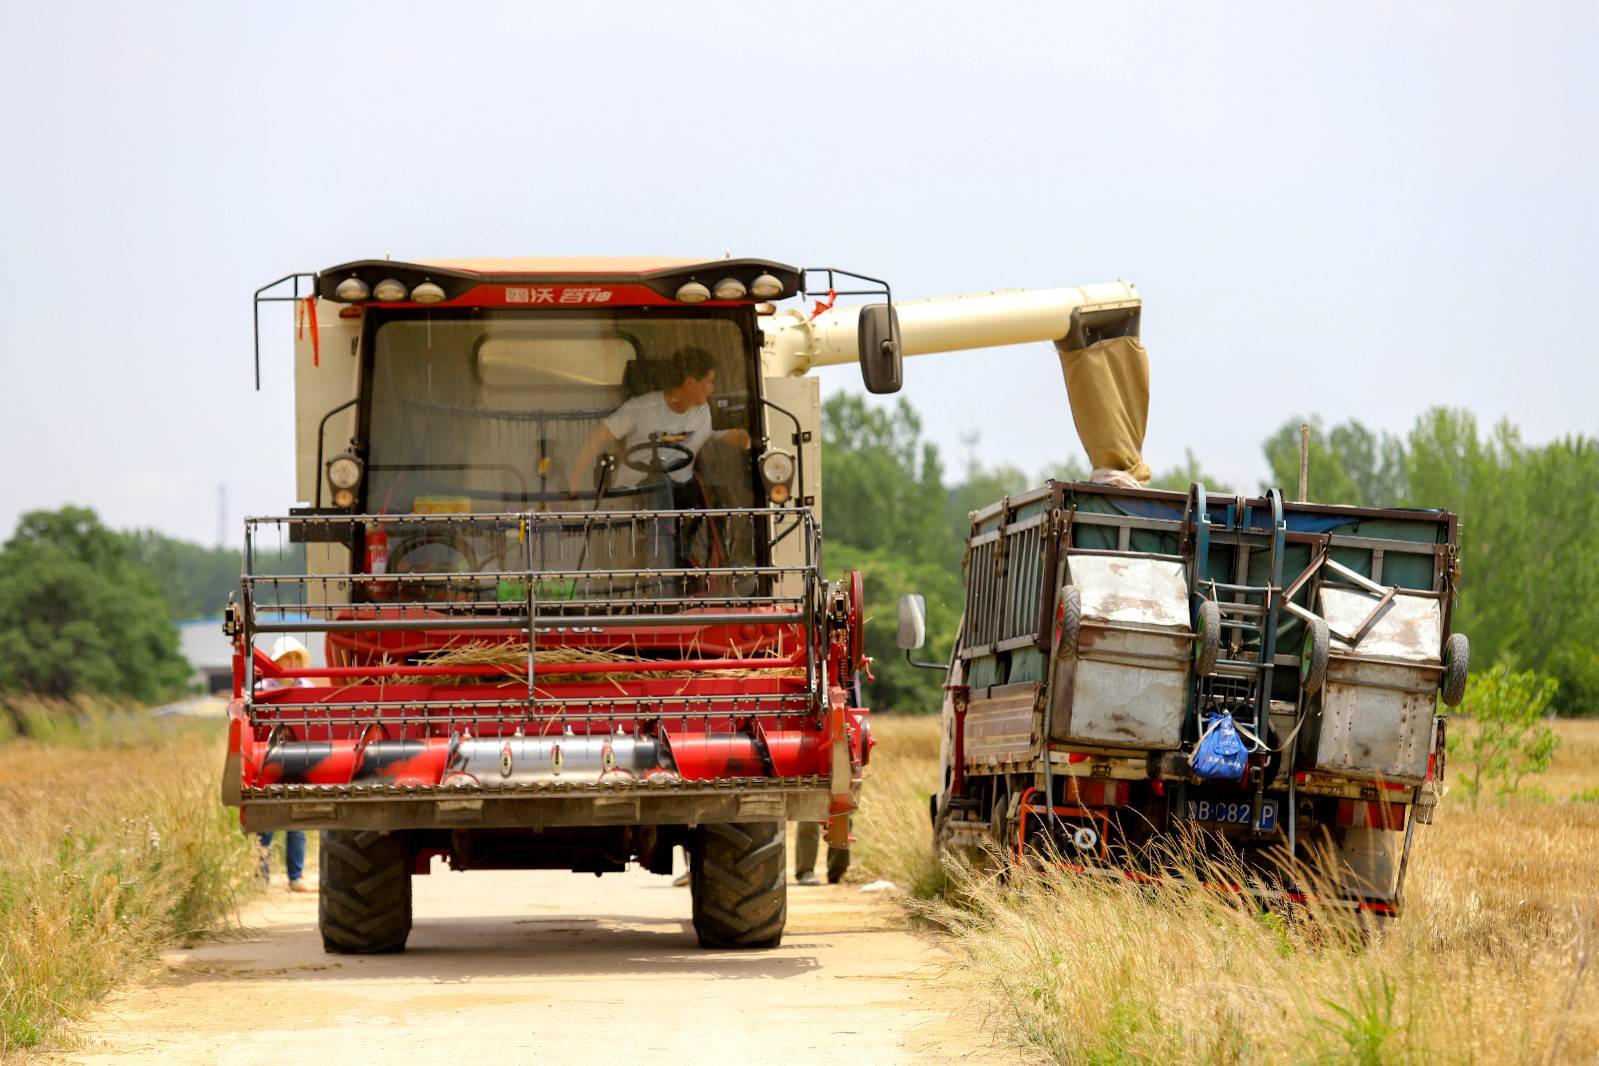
352 289
389 290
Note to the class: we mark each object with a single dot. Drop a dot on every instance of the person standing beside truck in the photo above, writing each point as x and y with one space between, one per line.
290 654
807 843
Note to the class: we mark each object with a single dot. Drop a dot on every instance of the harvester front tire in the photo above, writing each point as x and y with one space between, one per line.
739 885
365 897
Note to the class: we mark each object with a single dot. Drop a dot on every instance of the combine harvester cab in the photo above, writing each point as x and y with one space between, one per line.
1110 634
545 646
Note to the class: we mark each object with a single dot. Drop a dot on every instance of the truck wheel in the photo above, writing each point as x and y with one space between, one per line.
739 888
1068 620
1313 659
1457 661
1207 638
365 900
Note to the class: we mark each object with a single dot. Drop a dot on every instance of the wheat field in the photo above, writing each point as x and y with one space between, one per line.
114 845
1493 961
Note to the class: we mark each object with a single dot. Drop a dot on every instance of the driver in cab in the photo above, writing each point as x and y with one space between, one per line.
677 419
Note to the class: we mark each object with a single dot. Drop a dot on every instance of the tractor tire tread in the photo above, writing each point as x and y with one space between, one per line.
364 906
739 885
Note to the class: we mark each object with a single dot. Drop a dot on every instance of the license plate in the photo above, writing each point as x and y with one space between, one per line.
1230 812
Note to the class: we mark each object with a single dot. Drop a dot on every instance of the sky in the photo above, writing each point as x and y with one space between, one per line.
1355 210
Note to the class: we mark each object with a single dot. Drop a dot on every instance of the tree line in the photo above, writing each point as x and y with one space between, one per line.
1529 528
84 608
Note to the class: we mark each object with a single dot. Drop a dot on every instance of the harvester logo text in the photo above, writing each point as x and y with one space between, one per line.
573 294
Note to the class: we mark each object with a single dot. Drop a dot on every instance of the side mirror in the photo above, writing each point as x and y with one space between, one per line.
877 341
912 621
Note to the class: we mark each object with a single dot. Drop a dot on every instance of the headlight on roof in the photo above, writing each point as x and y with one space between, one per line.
352 290
389 290
765 287
427 293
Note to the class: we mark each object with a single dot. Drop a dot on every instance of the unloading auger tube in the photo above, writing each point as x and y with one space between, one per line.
1094 328
797 342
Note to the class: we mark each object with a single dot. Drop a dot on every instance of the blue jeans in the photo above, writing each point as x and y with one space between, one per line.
293 850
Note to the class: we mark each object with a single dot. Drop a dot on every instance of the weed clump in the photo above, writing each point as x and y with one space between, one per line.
1491 961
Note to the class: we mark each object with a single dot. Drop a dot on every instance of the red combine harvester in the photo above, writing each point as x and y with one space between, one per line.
561 553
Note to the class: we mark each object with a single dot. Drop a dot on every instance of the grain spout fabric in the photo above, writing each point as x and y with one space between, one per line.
1108 387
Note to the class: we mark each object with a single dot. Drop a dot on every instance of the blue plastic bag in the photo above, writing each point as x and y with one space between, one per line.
1220 754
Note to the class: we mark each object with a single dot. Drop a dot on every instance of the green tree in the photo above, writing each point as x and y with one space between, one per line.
196 580
885 513
981 487
1529 538
80 613
1347 464
1069 469
1509 736
1529 528
883 484
896 685
1186 474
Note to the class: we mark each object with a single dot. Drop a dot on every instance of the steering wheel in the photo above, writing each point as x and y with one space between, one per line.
683 458
451 554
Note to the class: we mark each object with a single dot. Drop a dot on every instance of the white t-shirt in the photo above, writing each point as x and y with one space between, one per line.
645 416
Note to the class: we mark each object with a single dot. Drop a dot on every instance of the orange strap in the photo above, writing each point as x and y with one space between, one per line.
306 309
832 295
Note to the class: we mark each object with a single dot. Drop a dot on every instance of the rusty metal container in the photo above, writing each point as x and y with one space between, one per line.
1126 686
1378 704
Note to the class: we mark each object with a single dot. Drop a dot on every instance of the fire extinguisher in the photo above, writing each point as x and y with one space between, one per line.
377 553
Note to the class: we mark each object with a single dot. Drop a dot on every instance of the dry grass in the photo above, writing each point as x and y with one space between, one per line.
1576 769
511 661
114 845
1494 960
893 829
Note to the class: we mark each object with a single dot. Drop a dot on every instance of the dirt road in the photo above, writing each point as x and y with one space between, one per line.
557 967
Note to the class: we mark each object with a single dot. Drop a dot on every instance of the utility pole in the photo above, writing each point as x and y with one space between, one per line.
222 515
1304 461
